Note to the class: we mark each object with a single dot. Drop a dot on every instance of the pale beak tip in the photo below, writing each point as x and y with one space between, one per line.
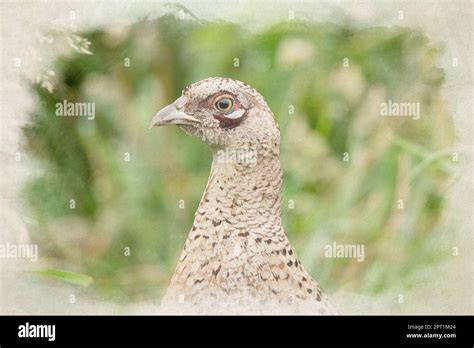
171 115
155 121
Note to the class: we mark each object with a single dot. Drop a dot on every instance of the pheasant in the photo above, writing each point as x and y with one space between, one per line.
237 257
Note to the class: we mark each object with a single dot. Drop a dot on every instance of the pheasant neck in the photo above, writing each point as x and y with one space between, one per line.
244 194
238 220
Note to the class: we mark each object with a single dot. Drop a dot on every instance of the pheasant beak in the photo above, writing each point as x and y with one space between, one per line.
172 114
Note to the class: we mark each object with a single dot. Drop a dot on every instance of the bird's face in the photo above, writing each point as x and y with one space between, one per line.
223 113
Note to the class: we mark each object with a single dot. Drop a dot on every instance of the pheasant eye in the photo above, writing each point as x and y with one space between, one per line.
224 104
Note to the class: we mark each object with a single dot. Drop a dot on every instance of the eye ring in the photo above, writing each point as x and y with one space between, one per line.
224 104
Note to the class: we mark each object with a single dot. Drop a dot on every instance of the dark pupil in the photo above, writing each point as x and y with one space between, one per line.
224 104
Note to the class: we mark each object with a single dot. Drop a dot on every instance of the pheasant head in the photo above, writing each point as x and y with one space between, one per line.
224 113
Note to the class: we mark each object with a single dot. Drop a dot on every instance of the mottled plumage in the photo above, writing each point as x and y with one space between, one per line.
237 257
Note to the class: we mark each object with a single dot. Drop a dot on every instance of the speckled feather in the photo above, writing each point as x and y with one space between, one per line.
237 257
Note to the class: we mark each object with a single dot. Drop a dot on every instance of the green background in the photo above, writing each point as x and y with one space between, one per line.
295 65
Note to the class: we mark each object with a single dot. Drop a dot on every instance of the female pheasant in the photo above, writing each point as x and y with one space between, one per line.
237 257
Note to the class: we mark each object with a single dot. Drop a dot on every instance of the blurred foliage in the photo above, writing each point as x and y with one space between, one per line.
298 66
65 276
